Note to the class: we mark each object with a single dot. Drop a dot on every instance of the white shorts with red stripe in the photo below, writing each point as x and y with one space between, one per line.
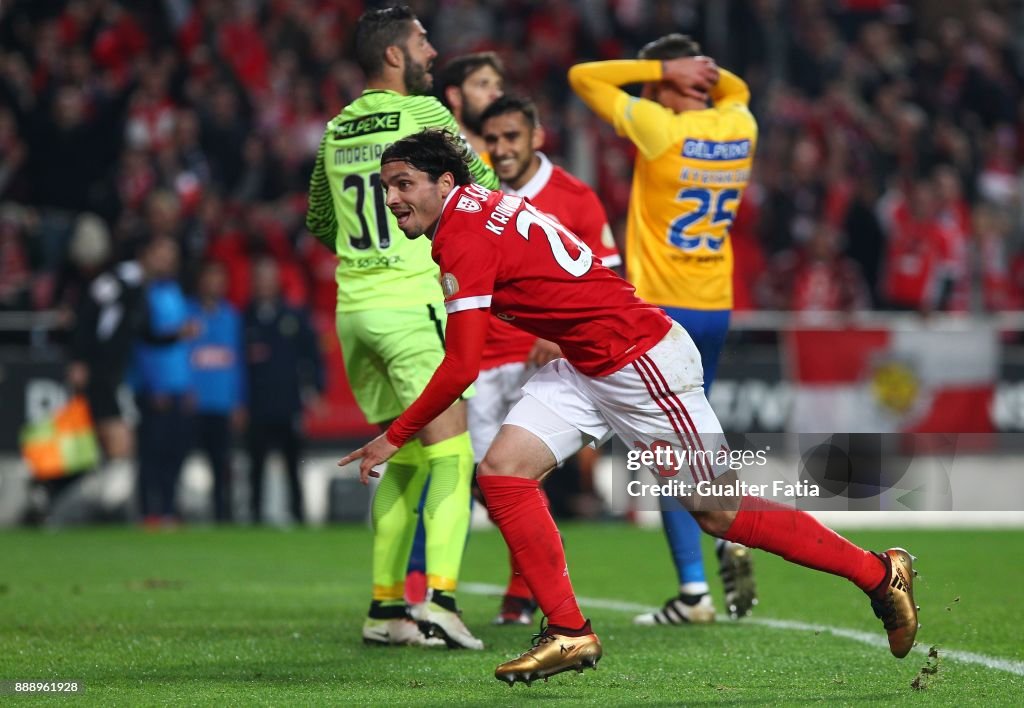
655 402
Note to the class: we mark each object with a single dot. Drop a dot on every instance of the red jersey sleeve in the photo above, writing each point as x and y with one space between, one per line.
469 265
463 346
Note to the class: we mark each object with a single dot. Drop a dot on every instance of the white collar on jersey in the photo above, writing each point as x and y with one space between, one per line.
538 182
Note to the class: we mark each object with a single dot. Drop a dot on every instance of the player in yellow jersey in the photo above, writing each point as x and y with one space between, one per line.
695 139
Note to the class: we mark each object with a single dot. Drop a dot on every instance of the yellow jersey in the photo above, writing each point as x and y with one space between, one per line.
690 173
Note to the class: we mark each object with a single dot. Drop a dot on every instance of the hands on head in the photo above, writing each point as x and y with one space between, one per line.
692 76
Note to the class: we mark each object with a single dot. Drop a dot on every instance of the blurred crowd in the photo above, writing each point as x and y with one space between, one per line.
888 173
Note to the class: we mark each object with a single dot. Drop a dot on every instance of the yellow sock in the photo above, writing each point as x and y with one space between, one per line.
394 519
446 512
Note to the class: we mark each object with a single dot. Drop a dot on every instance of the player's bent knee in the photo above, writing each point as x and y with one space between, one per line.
489 467
516 452
498 465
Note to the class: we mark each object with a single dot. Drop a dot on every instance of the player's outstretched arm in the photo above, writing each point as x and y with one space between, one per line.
463 347
597 83
646 123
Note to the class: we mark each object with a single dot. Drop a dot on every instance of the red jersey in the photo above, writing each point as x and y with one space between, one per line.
500 252
571 202
915 258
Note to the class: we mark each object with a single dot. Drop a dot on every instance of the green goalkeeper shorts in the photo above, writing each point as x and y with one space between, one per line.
390 356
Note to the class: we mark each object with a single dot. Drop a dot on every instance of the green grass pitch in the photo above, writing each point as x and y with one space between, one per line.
252 616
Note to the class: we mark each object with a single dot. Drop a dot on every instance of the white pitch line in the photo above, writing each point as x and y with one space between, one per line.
875 640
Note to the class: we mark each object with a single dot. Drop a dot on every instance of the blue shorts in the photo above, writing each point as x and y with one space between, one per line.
708 329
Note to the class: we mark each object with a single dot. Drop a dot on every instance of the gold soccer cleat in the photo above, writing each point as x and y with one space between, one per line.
893 603
736 568
551 654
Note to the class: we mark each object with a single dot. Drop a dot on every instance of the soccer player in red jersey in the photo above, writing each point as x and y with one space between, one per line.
512 136
628 371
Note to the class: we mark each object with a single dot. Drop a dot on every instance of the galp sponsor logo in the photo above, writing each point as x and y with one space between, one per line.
713 150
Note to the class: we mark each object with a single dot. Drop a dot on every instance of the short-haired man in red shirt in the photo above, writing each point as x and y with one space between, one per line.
628 371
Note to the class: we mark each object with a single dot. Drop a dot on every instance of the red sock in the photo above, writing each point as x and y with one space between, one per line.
517 506
517 586
800 538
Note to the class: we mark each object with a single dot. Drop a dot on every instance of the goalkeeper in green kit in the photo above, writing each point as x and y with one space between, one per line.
391 321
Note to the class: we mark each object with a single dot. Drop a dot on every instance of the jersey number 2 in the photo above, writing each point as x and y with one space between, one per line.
707 201
554 231
358 183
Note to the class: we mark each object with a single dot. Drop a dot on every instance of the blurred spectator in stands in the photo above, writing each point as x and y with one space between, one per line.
162 380
103 103
72 143
266 234
463 26
954 213
159 216
992 268
242 44
1016 281
224 129
136 179
320 265
284 371
218 374
342 84
262 178
794 198
815 55
816 277
864 233
15 262
219 227
998 178
304 124
151 112
187 171
13 155
917 253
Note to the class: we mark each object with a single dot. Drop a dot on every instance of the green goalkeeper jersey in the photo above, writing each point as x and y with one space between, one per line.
378 266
